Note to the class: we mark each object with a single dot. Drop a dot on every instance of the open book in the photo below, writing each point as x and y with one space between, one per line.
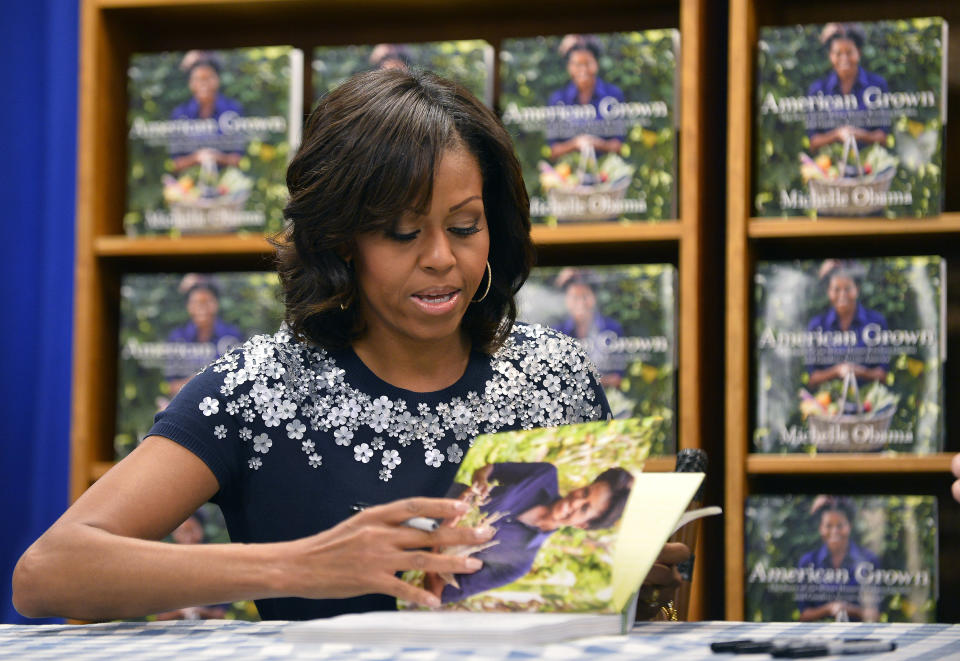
579 526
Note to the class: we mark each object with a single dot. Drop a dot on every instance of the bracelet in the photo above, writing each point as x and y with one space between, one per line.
669 612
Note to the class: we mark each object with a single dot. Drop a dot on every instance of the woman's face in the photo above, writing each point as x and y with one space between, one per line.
842 293
580 302
202 306
582 68
581 506
188 532
835 531
844 56
204 83
416 281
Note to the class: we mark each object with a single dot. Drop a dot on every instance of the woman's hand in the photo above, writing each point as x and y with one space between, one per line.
363 554
662 580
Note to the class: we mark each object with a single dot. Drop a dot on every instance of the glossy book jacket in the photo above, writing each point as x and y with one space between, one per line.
849 355
594 118
624 317
578 524
209 136
850 119
465 61
172 325
871 558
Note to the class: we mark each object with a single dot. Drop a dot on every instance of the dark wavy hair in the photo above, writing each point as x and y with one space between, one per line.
620 482
369 153
848 31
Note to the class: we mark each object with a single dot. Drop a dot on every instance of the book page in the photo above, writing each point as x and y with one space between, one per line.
656 503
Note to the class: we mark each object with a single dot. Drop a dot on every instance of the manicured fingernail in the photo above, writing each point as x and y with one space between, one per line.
473 563
485 532
433 601
461 506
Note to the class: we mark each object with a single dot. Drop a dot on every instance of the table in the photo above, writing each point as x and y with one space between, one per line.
223 639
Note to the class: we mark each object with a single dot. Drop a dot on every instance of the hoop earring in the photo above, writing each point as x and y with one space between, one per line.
348 299
487 290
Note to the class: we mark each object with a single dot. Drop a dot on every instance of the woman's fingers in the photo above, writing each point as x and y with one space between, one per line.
663 576
673 553
410 538
400 589
400 511
427 561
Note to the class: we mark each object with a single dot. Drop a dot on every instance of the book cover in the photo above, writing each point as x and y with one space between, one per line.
841 558
849 355
209 137
850 119
625 318
465 61
594 120
172 325
578 525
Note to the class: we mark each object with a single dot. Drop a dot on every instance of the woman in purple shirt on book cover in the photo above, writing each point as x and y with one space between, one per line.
844 44
582 54
527 497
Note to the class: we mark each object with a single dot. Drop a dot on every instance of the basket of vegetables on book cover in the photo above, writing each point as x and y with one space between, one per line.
839 422
214 193
584 188
860 182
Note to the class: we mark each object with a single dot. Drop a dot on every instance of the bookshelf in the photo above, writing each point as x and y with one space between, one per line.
750 239
113 29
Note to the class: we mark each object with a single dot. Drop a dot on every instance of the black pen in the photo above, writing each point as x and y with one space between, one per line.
751 646
833 647
418 522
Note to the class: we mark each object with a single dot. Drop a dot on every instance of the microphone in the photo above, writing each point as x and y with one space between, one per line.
689 460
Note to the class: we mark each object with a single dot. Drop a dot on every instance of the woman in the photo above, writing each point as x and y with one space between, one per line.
581 56
844 44
840 553
204 327
208 150
845 314
409 236
594 329
528 496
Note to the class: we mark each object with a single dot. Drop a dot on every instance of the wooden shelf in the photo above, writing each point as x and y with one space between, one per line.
98 469
580 234
751 238
192 246
766 228
847 464
600 233
665 464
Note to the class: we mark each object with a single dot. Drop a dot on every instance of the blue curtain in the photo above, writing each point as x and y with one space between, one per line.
38 120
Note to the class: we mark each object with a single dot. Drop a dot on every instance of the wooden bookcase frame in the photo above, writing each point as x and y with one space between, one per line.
750 239
113 29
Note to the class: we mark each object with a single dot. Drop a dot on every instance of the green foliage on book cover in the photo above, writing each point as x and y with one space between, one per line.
639 182
247 196
466 61
631 337
902 411
899 176
900 532
150 365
